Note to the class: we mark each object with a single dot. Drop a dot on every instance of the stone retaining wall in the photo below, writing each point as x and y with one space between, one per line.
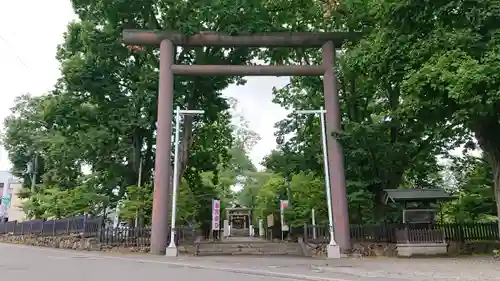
389 249
473 247
359 249
74 242
78 242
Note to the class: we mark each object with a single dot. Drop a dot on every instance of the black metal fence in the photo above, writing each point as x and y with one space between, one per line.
81 224
94 227
386 233
140 236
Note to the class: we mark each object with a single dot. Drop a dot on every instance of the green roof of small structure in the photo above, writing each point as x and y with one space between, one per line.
416 195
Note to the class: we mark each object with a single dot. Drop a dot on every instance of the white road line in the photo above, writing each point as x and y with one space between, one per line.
58 258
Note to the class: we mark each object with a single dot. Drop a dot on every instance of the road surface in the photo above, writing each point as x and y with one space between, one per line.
25 263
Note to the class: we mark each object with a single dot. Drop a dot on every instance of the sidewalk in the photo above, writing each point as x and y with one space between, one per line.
354 269
392 269
425 269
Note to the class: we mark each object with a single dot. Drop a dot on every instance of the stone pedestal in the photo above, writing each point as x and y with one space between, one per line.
422 249
226 228
261 228
172 252
333 251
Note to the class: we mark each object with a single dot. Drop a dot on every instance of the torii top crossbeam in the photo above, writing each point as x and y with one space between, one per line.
209 38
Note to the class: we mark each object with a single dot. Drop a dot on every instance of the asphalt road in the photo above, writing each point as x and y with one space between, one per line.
24 263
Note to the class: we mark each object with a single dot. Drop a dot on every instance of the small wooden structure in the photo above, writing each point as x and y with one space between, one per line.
238 217
419 236
238 222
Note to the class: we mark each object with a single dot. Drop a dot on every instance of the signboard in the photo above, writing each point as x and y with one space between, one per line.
283 206
6 201
215 214
270 220
419 215
3 211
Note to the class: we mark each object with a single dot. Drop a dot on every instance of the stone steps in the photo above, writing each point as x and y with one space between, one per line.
240 232
249 248
241 239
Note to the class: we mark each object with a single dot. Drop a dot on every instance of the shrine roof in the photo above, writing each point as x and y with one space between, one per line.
238 209
416 195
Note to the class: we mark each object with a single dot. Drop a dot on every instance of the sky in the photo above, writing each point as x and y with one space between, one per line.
28 65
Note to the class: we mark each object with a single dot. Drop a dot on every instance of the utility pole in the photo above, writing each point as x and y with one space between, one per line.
333 249
172 248
289 198
313 218
33 169
139 180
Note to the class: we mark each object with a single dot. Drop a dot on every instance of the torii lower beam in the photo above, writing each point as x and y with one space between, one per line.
249 70
167 40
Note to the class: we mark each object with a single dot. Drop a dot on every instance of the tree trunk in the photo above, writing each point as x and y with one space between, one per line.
496 179
379 208
487 137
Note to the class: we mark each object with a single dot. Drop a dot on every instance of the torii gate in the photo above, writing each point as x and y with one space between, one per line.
167 41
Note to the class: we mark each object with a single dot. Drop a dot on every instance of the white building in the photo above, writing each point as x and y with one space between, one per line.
10 203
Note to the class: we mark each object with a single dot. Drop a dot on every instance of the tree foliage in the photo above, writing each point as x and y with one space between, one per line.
422 81
472 187
102 112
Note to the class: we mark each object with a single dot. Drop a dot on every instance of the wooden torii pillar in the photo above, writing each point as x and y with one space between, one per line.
167 41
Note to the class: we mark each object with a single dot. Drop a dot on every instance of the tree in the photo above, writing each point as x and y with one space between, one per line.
308 192
379 150
443 56
423 79
139 201
268 197
386 144
30 132
102 111
137 204
245 138
50 202
473 182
